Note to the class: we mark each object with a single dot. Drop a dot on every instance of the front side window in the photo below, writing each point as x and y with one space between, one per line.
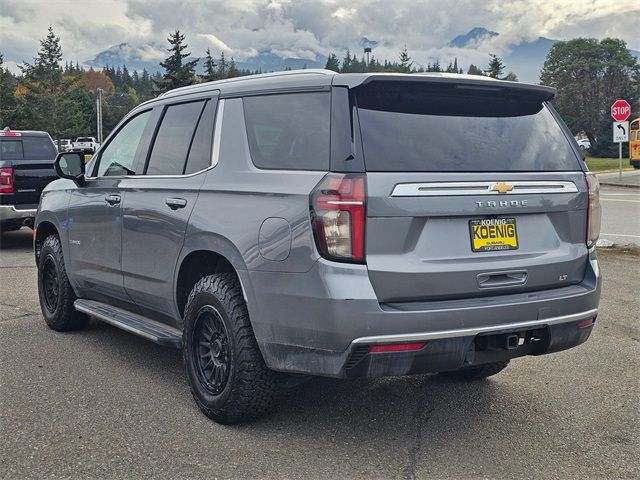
118 157
289 131
173 140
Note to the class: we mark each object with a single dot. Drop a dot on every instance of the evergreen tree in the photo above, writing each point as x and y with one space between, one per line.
233 70
405 61
347 61
332 63
473 70
8 102
209 68
45 86
496 67
223 67
178 72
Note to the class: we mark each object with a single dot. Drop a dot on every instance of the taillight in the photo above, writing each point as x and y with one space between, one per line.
338 217
6 180
594 211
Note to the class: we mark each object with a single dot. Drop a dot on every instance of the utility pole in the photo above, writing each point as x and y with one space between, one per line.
99 114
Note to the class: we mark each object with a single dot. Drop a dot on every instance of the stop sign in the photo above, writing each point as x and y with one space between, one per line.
620 110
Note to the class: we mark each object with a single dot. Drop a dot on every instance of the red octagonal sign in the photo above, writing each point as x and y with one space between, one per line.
620 110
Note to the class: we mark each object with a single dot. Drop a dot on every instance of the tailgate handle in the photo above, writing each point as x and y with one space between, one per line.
502 279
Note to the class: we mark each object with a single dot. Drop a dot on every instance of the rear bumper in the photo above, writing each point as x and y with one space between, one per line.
11 213
323 322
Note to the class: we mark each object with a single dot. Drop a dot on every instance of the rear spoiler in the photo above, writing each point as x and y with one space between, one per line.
456 81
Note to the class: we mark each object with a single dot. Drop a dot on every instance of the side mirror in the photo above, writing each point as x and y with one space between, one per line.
70 165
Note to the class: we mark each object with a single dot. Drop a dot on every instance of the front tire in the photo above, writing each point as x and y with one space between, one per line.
227 374
54 290
476 373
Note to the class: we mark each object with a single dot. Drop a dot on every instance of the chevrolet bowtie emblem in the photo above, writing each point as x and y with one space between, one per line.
501 187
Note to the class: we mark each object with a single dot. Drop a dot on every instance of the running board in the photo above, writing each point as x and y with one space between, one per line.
131 322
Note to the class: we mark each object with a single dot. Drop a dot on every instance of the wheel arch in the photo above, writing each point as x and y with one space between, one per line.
202 255
41 231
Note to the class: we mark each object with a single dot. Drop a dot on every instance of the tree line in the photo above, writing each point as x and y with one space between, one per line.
47 95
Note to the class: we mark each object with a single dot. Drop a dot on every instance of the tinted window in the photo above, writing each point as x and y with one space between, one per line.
118 157
38 148
421 128
27 148
171 146
200 153
289 131
11 150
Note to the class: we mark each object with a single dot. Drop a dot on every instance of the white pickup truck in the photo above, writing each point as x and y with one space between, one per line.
85 145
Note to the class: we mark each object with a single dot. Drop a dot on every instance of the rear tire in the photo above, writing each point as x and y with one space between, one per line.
476 373
54 290
228 377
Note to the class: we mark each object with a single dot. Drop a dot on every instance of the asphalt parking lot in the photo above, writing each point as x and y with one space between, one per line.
102 403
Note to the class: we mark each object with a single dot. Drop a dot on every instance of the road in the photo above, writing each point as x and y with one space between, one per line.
620 215
102 403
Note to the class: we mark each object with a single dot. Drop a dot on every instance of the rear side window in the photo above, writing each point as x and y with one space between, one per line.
289 131
200 152
419 128
173 139
27 148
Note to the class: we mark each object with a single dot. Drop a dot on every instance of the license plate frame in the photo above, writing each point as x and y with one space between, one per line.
493 239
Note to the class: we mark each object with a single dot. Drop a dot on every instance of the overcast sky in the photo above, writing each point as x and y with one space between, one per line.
303 28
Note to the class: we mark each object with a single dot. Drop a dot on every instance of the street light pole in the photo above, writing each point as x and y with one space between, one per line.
99 114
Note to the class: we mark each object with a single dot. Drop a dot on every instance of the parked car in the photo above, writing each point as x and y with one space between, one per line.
64 145
26 167
86 145
341 225
584 143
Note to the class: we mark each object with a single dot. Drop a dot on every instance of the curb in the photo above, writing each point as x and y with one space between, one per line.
623 185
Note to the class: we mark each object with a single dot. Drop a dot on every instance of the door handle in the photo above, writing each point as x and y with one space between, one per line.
112 199
175 203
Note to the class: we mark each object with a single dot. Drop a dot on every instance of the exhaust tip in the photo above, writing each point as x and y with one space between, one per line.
27 222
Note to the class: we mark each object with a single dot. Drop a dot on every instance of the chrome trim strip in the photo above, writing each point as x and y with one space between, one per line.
214 154
217 133
440 189
470 332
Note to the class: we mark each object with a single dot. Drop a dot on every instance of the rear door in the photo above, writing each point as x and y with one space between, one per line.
158 204
470 193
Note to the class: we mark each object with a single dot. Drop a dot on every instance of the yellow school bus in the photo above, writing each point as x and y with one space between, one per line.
634 143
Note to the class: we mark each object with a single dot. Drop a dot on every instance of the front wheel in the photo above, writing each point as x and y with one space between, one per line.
54 290
227 374
476 373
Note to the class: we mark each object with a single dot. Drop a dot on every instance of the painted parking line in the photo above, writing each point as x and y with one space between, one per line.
619 200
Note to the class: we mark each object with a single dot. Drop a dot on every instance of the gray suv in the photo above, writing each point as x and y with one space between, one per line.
343 225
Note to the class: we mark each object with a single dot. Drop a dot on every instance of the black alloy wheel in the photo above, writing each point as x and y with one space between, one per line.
212 355
50 283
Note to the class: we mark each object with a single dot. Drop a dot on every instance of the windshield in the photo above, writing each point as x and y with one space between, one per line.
417 127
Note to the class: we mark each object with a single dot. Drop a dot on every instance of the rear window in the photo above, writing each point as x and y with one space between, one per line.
84 139
27 148
422 128
289 131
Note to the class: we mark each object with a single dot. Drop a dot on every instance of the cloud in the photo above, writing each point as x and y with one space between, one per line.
305 28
